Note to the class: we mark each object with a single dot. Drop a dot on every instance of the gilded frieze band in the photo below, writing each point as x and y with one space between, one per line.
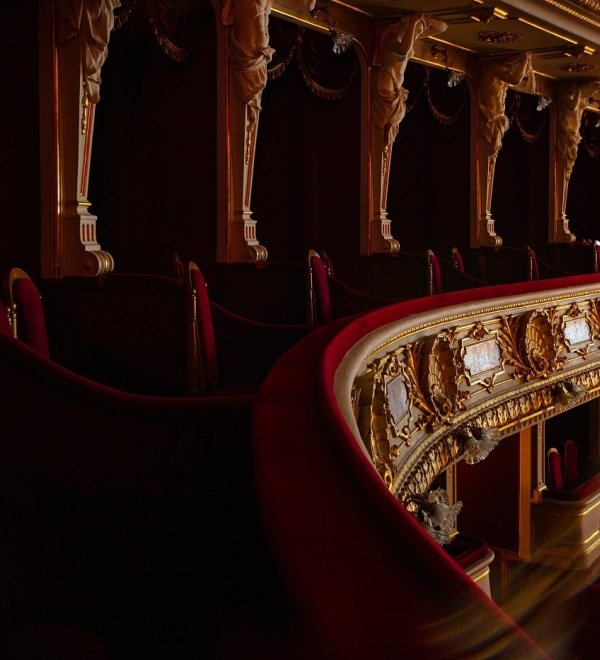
451 393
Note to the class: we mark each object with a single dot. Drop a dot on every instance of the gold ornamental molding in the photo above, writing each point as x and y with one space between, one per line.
421 396
491 37
578 67
591 6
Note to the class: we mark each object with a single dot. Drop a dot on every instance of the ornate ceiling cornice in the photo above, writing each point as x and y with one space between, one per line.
592 6
589 5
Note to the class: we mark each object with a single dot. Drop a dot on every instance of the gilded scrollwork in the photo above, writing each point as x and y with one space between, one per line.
594 316
434 462
543 353
423 407
529 344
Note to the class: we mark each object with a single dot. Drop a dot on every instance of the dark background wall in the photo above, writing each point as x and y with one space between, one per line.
521 183
583 203
19 137
428 199
153 174
153 178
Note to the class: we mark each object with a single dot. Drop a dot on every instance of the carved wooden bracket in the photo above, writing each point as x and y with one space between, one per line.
496 76
244 54
78 51
395 46
571 101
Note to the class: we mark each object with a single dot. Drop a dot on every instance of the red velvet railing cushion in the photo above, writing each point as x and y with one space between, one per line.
321 289
31 323
338 534
555 475
206 331
5 328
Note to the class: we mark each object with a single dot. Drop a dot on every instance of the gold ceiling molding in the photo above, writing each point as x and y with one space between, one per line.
590 5
576 14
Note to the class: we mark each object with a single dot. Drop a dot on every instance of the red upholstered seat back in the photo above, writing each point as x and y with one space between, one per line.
5 328
436 272
571 468
457 260
207 358
555 476
320 287
29 311
533 264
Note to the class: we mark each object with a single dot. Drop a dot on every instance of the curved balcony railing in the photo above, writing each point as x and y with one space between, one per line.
354 427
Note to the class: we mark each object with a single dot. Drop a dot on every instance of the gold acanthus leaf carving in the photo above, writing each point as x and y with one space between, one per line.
446 452
509 340
415 357
594 315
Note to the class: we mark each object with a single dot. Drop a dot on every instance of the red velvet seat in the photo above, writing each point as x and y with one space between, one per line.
564 479
270 292
555 472
127 515
126 330
25 310
466 550
499 265
578 257
234 353
333 298
5 326
571 462
449 276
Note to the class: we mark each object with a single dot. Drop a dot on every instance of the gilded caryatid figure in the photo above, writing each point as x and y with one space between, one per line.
83 30
572 99
395 47
496 77
93 21
250 52
247 55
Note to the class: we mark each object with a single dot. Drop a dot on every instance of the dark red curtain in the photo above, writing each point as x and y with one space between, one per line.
428 199
521 183
153 178
306 190
583 202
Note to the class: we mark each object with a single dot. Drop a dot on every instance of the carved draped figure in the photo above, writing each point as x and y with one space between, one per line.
495 80
93 20
572 100
395 48
250 51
